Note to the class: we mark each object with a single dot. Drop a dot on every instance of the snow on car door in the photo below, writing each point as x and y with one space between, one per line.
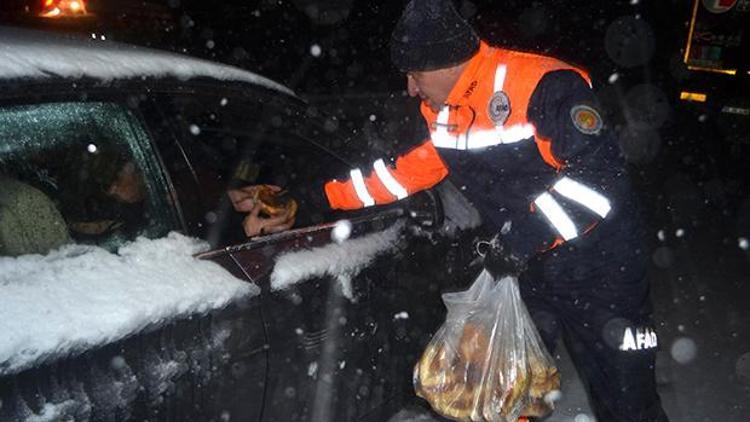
325 341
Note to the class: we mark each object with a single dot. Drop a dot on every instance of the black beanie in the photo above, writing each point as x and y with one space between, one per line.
431 35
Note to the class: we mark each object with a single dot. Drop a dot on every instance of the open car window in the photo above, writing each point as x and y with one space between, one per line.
233 142
77 172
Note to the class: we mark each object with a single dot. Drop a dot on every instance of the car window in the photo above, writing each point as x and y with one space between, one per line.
77 172
232 142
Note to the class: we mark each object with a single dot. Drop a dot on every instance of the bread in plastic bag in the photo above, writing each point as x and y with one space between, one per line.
487 362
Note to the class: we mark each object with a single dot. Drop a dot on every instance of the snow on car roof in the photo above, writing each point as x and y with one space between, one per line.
37 55
79 297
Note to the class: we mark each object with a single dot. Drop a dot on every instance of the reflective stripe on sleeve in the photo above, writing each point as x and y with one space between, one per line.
390 183
556 216
361 189
583 195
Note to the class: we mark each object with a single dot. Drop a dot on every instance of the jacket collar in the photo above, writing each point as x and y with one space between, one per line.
469 80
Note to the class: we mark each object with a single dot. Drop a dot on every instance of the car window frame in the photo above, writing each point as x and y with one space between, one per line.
29 93
246 92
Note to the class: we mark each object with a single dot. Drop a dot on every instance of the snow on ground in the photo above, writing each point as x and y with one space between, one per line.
80 296
342 260
34 54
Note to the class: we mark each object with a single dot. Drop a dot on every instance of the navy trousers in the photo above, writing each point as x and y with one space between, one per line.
599 303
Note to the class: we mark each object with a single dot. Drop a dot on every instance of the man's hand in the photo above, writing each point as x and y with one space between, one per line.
500 260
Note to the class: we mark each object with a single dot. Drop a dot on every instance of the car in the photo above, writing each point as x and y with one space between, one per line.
130 290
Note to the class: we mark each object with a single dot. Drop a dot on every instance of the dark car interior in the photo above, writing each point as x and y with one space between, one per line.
104 201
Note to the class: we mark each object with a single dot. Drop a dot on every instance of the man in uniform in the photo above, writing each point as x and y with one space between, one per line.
523 136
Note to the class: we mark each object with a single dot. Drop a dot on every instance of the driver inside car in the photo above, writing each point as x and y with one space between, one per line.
105 198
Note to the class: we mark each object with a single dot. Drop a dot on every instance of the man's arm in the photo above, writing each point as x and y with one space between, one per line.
590 180
384 182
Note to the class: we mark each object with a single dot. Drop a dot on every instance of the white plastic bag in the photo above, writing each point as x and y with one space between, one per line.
487 362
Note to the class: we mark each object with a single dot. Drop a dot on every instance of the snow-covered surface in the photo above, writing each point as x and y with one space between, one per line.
83 296
37 55
53 412
342 260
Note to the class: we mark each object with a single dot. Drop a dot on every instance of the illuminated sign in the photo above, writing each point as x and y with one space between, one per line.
717 40
719 6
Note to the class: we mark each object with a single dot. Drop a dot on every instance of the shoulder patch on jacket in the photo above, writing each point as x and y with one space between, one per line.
586 119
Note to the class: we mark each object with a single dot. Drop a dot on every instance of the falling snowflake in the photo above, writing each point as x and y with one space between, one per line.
582 417
312 370
341 231
401 315
614 77
195 130
743 243
684 350
315 50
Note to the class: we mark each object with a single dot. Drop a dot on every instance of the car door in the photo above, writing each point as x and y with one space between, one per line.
328 307
83 170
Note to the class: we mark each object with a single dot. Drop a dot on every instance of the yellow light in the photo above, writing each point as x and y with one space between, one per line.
690 31
52 13
64 8
693 96
709 69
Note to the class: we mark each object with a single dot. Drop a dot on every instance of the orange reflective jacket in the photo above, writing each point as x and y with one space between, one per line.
487 106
